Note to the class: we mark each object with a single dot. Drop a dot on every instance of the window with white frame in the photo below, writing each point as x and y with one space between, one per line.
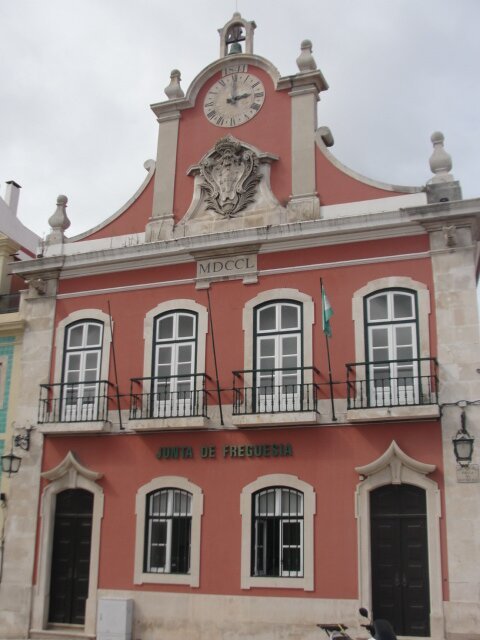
174 383
81 370
168 528
392 347
277 533
278 356
167 543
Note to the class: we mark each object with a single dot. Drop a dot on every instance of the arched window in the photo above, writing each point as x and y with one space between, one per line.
167 542
174 383
392 347
168 529
277 532
80 396
278 356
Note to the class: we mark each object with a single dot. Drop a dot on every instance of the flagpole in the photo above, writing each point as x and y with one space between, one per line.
334 418
219 394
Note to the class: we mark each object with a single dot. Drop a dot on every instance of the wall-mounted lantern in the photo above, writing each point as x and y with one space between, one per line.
10 462
463 443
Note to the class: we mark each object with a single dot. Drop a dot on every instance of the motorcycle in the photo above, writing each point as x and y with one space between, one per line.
379 629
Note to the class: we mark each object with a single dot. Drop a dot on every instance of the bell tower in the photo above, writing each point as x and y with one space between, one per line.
236 31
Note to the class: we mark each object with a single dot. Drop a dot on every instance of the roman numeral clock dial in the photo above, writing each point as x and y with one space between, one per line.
234 99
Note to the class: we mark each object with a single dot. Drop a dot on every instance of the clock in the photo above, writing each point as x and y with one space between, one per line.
234 100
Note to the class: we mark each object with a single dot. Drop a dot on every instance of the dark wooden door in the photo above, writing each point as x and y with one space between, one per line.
71 556
400 585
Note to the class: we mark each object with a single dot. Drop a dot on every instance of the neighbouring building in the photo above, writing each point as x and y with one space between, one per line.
208 462
17 243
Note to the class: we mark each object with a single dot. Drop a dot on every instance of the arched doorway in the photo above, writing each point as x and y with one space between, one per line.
399 557
70 566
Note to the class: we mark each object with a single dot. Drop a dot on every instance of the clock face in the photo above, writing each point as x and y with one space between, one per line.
234 99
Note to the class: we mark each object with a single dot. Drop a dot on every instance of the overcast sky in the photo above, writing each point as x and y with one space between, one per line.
77 78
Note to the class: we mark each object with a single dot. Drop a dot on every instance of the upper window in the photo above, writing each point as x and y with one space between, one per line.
168 529
167 543
278 356
174 383
277 532
392 348
80 392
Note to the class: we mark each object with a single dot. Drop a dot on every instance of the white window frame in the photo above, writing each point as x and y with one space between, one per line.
178 304
83 315
175 406
247 549
168 482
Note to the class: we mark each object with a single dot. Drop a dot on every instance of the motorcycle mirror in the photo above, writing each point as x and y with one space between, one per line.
363 612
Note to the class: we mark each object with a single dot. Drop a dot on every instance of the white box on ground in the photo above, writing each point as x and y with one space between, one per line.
115 619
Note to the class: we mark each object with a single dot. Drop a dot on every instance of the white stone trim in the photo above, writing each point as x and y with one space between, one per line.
394 466
175 305
248 581
69 474
75 316
307 329
177 482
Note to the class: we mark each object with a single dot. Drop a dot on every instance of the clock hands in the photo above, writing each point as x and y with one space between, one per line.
235 99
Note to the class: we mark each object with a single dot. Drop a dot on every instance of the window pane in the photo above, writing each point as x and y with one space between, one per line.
402 306
186 326
165 328
378 308
157 557
91 360
291 502
379 337
164 355
266 319
185 353
159 531
75 336
93 335
267 347
291 533
290 345
73 362
403 336
291 560
289 317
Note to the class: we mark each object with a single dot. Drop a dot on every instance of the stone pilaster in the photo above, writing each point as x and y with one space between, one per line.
453 246
21 517
160 226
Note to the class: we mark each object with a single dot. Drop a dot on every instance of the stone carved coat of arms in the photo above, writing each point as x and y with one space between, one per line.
230 175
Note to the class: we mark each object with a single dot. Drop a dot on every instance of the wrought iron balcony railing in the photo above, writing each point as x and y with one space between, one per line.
181 396
9 302
285 390
74 401
392 383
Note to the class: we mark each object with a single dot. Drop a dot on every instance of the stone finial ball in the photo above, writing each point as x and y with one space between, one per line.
62 199
237 14
437 136
175 73
306 44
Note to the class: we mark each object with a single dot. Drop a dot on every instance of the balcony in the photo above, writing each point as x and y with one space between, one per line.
168 402
392 389
275 396
70 407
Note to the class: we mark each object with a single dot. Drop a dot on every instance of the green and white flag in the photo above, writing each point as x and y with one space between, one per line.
327 313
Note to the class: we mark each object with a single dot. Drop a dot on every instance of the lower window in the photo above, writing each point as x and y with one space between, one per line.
168 524
168 530
277 533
